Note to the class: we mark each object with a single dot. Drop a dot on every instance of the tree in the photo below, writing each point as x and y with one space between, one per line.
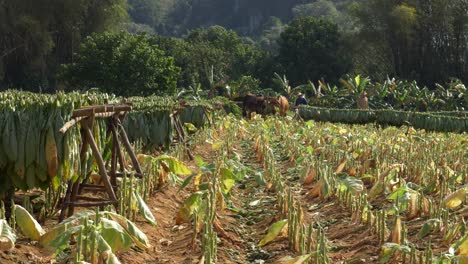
218 55
123 64
418 39
310 50
317 9
37 36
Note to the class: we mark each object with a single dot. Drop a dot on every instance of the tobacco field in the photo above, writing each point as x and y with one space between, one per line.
266 190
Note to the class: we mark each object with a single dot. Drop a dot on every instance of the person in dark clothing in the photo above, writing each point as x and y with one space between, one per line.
300 100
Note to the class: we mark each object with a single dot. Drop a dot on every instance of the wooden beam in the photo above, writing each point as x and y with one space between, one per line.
88 111
76 120
129 149
100 162
92 204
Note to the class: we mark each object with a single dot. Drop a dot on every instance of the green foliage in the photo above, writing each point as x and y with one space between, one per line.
36 36
400 36
310 50
123 64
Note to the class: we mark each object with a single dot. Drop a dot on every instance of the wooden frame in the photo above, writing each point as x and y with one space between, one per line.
86 117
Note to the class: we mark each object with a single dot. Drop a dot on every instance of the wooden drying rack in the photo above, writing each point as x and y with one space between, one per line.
86 116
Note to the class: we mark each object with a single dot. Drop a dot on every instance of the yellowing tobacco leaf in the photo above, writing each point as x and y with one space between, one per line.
138 237
115 235
273 232
7 237
51 153
456 198
28 225
296 260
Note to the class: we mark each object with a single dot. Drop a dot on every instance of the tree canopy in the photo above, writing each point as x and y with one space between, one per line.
37 36
310 50
123 64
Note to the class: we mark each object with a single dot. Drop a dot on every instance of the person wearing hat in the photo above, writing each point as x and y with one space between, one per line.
300 100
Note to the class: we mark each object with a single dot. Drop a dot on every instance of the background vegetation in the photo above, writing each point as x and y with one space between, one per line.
44 46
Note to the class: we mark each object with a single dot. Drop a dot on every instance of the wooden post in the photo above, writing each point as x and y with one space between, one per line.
129 148
74 193
99 161
119 150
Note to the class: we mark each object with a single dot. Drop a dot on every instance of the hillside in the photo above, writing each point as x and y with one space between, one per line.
176 17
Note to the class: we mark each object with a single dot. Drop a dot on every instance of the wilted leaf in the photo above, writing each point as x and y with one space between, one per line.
144 210
106 255
52 234
228 179
428 227
352 184
296 260
377 189
273 232
258 176
189 207
216 145
138 237
388 249
310 177
175 165
62 240
28 225
115 235
463 248
396 233
341 166
456 198
7 236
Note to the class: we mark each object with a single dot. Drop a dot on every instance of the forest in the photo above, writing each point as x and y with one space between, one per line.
141 47
233 131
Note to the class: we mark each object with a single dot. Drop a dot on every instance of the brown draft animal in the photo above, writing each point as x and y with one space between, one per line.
281 102
283 105
253 103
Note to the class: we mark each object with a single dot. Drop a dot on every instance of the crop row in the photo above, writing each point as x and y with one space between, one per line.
34 153
431 121
368 170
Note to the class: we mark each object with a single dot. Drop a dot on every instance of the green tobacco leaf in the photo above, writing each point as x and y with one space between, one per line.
388 249
190 127
28 225
115 235
428 227
138 237
144 209
199 161
354 185
187 181
228 179
259 178
273 232
106 254
7 236
61 242
48 237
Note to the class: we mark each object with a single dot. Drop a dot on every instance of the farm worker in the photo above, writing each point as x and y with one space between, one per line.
363 101
300 100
